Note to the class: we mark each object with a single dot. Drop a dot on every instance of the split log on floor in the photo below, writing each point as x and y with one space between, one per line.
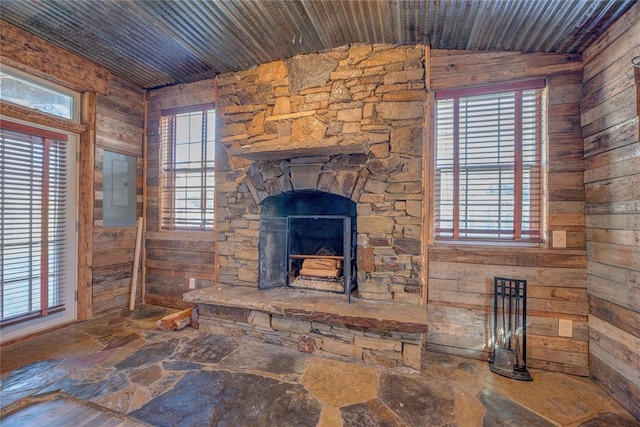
175 321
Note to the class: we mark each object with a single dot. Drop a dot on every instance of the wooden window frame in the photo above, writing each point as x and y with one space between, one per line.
533 235
169 216
37 82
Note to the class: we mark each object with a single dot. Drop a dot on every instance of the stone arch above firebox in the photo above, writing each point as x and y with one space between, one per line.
307 202
343 175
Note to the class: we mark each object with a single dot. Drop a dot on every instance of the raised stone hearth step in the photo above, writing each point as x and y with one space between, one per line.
317 306
381 333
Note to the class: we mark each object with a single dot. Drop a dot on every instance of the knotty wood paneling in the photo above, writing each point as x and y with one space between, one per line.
119 125
460 278
31 54
173 257
614 383
612 202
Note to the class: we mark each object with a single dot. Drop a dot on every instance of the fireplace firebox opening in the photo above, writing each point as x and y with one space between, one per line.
308 241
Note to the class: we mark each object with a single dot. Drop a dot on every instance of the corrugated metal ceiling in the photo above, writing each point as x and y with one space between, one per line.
159 42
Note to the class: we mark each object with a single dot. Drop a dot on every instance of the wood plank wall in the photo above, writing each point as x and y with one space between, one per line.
173 257
119 128
610 123
460 278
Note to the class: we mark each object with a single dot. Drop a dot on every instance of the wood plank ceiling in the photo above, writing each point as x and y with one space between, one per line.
154 43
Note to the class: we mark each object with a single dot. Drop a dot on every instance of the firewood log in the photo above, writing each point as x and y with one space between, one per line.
319 272
320 264
175 321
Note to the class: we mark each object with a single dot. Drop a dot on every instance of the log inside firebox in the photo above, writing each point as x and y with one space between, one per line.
313 272
321 267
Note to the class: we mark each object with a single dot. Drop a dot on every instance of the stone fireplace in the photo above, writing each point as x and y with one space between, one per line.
308 241
349 123
319 157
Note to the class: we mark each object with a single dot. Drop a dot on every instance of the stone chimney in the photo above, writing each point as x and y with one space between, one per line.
347 122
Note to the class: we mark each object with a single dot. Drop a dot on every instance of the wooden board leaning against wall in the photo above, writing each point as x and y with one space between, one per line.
460 278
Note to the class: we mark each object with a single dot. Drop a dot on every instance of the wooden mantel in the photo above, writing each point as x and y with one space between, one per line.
285 148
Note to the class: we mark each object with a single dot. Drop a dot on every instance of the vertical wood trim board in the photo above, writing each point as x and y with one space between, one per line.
145 149
427 176
85 206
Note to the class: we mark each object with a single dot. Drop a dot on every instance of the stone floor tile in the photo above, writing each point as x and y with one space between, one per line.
607 419
565 399
104 327
87 361
146 376
419 401
469 411
330 417
121 341
266 358
149 354
167 382
207 348
456 369
118 400
89 390
118 321
222 398
505 412
172 365
370 414
338 384
48 347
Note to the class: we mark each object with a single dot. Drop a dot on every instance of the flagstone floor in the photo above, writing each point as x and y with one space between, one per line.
123 363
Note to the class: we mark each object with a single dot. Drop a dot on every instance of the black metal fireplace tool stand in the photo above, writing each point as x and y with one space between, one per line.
510 329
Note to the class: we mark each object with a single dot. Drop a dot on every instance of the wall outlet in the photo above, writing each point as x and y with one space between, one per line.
559 239
565 328
192 283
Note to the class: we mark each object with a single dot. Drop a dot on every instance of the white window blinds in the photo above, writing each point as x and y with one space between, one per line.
33 181
188 153
488 176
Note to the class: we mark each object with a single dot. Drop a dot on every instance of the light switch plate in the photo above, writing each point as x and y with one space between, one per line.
565 328
192 283
559 239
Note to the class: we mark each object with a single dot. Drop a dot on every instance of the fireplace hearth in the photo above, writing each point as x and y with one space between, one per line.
308 240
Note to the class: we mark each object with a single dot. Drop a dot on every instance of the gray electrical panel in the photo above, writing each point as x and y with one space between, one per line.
119 186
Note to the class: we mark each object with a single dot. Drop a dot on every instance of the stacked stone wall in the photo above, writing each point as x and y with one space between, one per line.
371 94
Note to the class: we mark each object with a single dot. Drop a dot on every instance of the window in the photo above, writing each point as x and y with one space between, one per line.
37 213
488 172
32 93
188 137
